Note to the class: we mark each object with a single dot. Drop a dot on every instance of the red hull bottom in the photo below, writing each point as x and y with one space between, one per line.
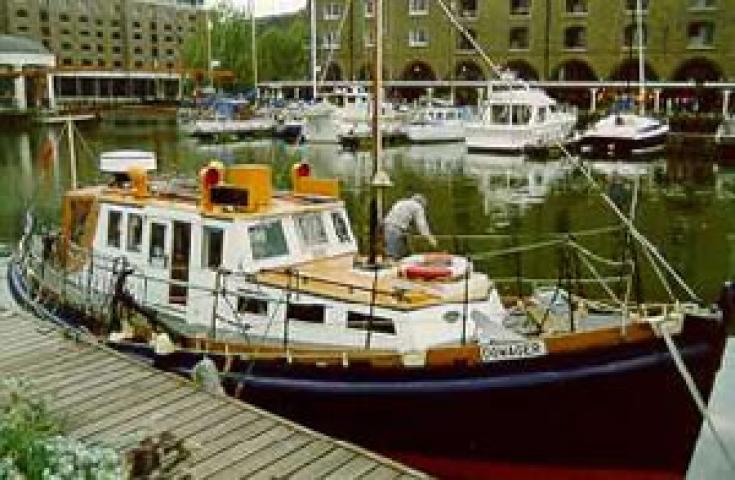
463 469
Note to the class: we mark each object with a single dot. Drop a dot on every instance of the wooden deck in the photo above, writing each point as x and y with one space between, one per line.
111 399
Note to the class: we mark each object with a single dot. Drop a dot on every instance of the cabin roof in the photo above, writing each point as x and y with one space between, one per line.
282 203
521 96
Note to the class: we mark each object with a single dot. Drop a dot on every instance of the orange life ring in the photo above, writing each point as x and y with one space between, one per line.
433 266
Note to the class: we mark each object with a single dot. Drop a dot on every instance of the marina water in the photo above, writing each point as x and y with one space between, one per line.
477 203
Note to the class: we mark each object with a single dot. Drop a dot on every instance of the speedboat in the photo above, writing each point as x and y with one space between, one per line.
624 135
420 358
517 119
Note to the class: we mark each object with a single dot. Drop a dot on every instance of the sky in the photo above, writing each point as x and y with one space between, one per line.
270 7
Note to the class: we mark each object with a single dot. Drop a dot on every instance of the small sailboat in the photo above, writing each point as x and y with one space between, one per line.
627 135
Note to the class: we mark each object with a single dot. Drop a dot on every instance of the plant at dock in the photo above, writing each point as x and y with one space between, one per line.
32 445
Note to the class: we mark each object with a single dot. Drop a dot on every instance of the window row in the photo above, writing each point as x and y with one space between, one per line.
267 239
314 313
469 8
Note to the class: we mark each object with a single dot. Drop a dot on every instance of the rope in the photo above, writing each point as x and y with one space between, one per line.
695 394
512 250
590 255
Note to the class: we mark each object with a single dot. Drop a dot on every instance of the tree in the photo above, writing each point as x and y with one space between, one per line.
280 42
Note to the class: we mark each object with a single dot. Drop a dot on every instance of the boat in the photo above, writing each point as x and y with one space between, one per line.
420 358
516 118
224 119
623 135
434 121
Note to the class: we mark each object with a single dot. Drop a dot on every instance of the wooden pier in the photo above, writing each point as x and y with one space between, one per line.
110 399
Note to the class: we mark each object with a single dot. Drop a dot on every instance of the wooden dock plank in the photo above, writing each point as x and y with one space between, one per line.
210 445
325 464
240 450
108 397
285 466
352 469
261 458
381 472
130 414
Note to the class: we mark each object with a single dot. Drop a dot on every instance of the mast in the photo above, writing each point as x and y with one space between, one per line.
312 19
209 48
641 60
380 177
254 48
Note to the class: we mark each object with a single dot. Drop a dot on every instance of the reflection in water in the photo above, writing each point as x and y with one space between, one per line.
493 201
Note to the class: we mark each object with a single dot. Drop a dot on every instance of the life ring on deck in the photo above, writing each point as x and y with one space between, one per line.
434 266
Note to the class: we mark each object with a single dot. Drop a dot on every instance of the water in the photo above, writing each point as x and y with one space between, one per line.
477 203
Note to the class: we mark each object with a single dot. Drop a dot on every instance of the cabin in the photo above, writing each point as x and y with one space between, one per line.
231 258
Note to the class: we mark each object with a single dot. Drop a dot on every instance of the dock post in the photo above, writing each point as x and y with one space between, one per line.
593 99
656 100
725 103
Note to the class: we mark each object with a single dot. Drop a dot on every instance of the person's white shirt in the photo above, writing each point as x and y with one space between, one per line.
407 211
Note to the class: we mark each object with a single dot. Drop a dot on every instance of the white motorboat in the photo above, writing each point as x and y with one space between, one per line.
435 121
624 135
520 119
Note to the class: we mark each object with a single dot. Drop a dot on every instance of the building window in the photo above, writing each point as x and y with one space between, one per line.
519 38
702 4
267 240
138 51
86 47
138 64
312 313
67 62
575 38
22 28
86 62
135 229
632 5
418 7
114 226
46 43
213 240
576 7
418 38
701 35
84 33
630 37
114 23
117 64
117 49
43 15
84 19
361 321
330 41
154 26
167 27
100 35
46 31
66 46
100 48
520 7
116 35
170 53
136 24
137 36
21 13
332 11
369 8
468 8
464 43
63 17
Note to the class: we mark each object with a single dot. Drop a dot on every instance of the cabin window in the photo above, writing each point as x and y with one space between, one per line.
157 251
541 115
212 247
135 232
521 114
500 114
267 240
360 321
255 306
114 223
305 312
311 229
341 228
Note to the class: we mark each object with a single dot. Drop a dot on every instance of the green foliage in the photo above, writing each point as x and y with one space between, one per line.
32 447
281 46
